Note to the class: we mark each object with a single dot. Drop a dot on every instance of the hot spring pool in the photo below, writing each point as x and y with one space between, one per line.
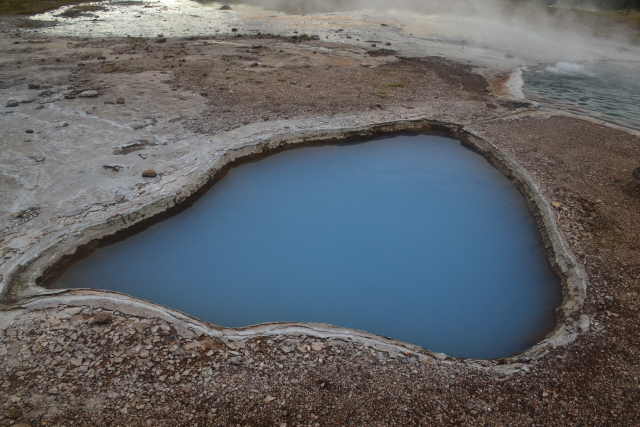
605 90
412 237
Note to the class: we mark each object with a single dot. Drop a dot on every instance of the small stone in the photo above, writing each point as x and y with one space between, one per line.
225 7
193 346
115 168
14 413
73 311
149 173
34 86
37 159
88 94
317 346
556 204
269 399
236 360
129 147
29 131
161 40
101 318
236 345
584 322
12 103
120 101
636 174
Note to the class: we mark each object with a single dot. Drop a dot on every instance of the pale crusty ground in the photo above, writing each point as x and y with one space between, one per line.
81 366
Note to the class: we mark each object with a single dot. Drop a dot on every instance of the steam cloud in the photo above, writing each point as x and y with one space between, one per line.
528 28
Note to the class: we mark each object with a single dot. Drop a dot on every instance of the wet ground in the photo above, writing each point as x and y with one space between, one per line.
432 32
88 117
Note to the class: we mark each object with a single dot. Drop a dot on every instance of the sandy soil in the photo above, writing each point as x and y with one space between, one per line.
79 102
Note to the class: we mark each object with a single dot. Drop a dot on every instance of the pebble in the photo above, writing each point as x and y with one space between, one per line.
12 103
88 94
129 147
149 173
101 319
120 101
29 131
37 159
73 311
115 168
287 348
138 126
236 360
14 413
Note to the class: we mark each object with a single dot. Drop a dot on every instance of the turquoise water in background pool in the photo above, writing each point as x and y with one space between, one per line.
411 237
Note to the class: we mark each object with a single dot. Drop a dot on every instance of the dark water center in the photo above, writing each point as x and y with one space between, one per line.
412 237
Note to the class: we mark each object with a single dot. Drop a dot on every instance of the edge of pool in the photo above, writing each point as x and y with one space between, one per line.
20 289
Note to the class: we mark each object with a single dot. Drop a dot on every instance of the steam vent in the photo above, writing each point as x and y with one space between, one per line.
318 213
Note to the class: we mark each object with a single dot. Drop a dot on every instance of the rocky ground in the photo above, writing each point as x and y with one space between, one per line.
83 120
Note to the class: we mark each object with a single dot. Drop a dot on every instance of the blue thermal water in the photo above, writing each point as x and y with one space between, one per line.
412 237
610 91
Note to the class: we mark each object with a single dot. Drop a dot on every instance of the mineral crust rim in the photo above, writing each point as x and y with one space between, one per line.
21 289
